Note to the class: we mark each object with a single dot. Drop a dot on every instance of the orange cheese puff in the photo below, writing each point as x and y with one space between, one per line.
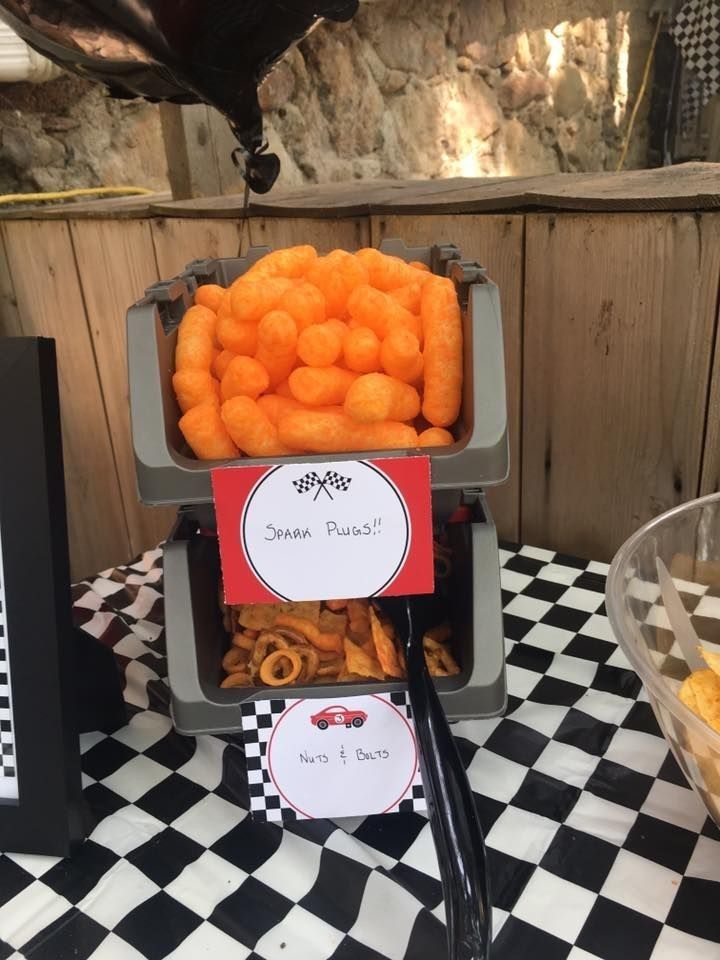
435 437
277 345
206 435
221 363
386 273
238 337
400 355
366 307
377 310
337 275
275 407
408 296
194 351
251 429
193 387
443 352
244 377
361 349
320 386
283 390
332 431
320 345
385 435
317 431
209 295
375 397
418 265
290 262
225 306
278 368
197 320
406 321
277 333
338 325
305 304
252 299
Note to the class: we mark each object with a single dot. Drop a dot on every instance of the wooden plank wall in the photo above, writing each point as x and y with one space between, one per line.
620 317
612 355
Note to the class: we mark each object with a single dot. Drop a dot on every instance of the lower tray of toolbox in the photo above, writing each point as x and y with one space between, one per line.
196 639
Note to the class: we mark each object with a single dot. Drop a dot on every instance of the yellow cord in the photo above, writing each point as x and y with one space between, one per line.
71 194
641 93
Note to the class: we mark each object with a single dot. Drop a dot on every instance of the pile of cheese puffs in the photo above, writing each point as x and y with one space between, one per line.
320 354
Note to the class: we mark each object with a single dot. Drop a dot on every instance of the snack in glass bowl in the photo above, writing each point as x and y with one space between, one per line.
655 640
308 354
700 691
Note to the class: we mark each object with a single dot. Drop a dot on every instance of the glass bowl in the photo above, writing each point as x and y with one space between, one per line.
687 540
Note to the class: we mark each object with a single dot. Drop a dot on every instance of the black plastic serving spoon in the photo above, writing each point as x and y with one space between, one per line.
454 821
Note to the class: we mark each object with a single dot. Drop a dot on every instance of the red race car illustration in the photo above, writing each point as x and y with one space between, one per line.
336 716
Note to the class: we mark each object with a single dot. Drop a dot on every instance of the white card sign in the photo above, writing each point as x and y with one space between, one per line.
305 531
345 757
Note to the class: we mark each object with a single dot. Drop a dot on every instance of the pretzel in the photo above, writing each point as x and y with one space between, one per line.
269 664
237 679
235 660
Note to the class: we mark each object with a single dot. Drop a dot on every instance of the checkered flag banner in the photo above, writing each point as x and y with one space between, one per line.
307 482
337 480
696 32
331 479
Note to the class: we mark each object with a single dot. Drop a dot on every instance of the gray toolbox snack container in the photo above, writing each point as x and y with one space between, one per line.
197 639
167 471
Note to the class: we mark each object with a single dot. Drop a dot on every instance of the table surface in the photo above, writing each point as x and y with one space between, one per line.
597 847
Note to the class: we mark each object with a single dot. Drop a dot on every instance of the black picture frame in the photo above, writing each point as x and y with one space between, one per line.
49 815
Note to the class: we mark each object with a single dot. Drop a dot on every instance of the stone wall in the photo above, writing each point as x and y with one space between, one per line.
462 88
67 133
428 88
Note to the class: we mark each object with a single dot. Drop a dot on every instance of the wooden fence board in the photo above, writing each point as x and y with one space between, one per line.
350 233
50 304
116 263
710 477
10 323
177 242
619 321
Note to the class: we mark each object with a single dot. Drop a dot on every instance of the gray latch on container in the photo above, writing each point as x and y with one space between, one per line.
172 299
440 255
200 271
463 274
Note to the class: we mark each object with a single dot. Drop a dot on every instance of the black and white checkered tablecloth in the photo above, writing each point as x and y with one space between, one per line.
597 847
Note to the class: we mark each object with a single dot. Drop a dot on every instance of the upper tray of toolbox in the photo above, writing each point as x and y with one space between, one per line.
168 472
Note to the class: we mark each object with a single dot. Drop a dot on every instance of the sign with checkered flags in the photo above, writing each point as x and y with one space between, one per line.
312 531
312 481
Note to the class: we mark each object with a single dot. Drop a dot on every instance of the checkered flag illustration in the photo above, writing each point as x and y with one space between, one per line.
337 480
307 482
331 479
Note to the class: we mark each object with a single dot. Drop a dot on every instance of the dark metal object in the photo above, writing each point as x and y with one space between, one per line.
454 820
182 51
51 816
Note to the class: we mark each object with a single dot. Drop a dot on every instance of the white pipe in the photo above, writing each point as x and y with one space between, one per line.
19 62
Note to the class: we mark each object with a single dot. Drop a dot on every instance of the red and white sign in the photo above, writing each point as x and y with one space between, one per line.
348 757
315 531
